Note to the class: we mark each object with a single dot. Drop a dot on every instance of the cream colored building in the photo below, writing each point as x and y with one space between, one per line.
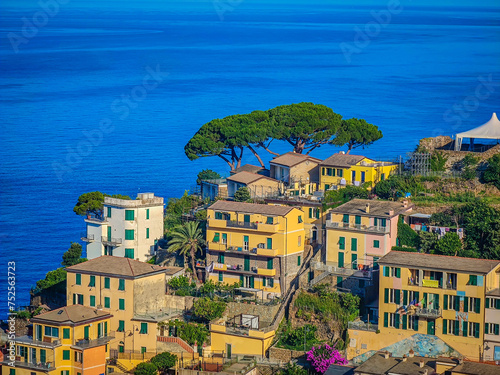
258 185
132 291
128 228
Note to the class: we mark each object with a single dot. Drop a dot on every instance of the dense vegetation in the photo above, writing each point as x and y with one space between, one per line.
206 309
305 126
190 332
92 203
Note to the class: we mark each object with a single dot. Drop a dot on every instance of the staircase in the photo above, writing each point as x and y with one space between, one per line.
176 341
122 368
316 280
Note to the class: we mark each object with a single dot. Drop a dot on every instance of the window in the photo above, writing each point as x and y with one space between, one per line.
129 214
271 283
12 371
493 303
80 299
298 260
220 258
246 244
92 281
216 237
106 302
121 284
66 354
300 219
66 333
473 305
412 322
392 272
340 172
224 238
492 329
221 276
147 232
43 355
323 171
357 220
269 243
129 234
342 243
65 372
382 177
317 212
218 215
129 253
383 223
144 328
121 304
310 213
147 213
143 349
51 331
354 244
92 301
376 244
109 212
328 171
121 326
121 348
473 329
345 219
452 302
270 264
269 220
299 241
106 282
78 280
78 357
392 296
391 320
472 280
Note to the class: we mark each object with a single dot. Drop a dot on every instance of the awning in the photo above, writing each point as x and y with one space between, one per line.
489 130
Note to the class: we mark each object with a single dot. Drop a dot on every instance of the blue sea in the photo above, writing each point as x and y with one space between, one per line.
104 97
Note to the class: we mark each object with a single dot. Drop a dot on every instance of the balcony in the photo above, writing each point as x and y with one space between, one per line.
357 227
266 272
86 344
259 226
428 313
427 283
347 270
87 237
48 342
362 326
41 366
219 267
111 241
218 246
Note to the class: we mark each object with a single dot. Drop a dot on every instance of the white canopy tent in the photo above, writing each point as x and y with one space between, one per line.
490 130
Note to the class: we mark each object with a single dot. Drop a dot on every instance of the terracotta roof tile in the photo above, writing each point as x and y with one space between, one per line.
291 159
116 266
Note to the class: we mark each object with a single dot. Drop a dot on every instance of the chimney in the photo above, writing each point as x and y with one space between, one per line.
426 372
405 203
405 357
387 354
411 353
391 213
367 208
422 363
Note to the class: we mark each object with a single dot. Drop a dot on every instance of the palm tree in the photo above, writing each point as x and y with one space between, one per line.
187 239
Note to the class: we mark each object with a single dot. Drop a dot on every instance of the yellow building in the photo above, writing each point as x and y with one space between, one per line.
72 340
259 245
435 295
299 172
340 170
133 291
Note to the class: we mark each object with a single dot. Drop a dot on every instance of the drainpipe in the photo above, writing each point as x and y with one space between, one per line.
286 253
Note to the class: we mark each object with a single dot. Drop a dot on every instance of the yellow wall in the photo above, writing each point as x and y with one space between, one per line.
373 173
256 343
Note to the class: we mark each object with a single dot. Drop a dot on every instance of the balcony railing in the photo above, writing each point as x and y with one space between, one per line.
111 241
357 227
428 313
87 237
85 344
241 224
362 271
431 283
362 326
43 366
219 246
47 343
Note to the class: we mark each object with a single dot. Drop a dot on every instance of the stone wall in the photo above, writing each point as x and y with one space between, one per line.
284 355
179 302
430 144
265 313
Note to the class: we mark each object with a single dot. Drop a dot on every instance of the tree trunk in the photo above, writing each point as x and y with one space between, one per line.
193 264
231 165
257 156
261 144
240 157
299 146
349 149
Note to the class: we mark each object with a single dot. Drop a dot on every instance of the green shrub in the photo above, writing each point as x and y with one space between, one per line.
207 309
438 162
145 368
492 173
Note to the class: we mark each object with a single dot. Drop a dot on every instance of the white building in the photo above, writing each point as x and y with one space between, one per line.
128 228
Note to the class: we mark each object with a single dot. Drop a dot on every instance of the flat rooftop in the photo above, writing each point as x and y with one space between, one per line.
377 208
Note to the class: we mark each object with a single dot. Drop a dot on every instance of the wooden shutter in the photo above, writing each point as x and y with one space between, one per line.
464 328
476 330
415 324
466 304
386 319
386 295
477 305
397 296
445 302
445 326
405 321
398 273
405 297
496 329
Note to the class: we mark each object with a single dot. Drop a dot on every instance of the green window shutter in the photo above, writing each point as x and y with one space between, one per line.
396 321
105 328
106 282
405 297
78 279
317 213
66 354
129 234
147 213
147 232
354 244
386 295
270 265
12 371
445 302
224 237
269 220
109 211
405 321
323 171
298 260
129 214
477 305
386 271
487 303
121 304
415 324
242 280
92 301
144 328
263 281
354 261
269 243
464 328
345 218
375 221
92 281
246 218
216 237
121 284
486 326
376 244
466 304
43 355
476 330
66 333
218 215
311 212
246 263
339 281
271 283
456 304
222 258
221 276
129 253
397 296
383 222
327 186
398 273
106 302
109 233
445 327
496 329
342 243
245 238
456 327
386 319
425 300
357 220
121 326
74 299
497 303
436 301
